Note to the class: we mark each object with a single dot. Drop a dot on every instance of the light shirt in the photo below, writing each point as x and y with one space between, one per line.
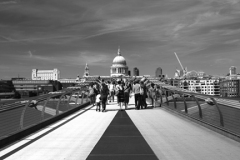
136 88
111 87
98 98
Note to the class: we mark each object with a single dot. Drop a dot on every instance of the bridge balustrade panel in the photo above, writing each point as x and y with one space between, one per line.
218 112
23 113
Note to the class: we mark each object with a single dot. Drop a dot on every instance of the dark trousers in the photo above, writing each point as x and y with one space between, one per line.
98 106
104 101
137 100
111 96
142 102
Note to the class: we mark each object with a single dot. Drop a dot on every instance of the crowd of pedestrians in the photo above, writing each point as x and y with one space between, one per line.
103 93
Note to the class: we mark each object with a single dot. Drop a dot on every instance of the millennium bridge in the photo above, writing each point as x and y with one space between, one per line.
64 125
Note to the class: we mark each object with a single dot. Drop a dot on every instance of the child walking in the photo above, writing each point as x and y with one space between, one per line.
98 102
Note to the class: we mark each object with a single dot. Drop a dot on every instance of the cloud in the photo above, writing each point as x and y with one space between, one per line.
233 2
4 2
224 61
232 41
93 59
30 54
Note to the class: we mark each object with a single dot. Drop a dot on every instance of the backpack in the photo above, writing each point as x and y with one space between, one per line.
104 90
95 91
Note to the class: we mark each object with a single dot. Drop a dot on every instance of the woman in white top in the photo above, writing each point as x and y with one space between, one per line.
112 91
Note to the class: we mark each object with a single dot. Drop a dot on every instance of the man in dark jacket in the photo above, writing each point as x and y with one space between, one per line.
104 94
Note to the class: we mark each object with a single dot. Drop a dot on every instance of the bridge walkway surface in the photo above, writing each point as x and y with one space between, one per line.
152 133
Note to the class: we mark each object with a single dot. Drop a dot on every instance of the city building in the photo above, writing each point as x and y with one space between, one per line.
201 74
119 66
7 89
158 72
232 70
129 73
30 88
203 86
86 71
45 74
174 82
230 88
135 71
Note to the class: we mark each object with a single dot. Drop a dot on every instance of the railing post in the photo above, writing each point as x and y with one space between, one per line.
23 113
43 109
199 107
161 100
166 97
82 98
59 101
219 111
88 98
77 98
185 104
175 104
70 99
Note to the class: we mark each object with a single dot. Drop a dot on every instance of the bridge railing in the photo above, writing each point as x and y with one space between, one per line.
17 115
221 113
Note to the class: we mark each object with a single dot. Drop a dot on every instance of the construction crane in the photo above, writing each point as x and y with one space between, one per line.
184 69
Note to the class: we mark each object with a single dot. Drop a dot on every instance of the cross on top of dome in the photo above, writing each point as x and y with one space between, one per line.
119 53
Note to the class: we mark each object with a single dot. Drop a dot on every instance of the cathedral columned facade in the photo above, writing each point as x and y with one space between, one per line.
119 66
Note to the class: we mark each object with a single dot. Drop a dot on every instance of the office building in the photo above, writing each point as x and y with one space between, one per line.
232 70
230 88
45 74
30 88
135 71
158 72
203 86
129 73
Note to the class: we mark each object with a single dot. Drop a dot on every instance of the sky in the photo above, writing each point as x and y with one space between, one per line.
67 34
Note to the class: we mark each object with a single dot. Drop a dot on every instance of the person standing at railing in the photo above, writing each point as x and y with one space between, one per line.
157 94
96 92
91 94
151 94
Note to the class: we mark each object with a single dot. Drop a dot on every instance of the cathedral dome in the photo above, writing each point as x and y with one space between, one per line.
119 60
119 66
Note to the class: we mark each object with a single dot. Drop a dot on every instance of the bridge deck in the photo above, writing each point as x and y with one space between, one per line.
81 136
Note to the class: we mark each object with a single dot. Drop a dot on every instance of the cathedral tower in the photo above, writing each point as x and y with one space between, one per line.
86 71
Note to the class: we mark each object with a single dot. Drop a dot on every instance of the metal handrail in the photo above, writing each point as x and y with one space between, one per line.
20 109
227 121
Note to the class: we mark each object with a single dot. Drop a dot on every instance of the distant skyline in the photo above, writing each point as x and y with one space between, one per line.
67 34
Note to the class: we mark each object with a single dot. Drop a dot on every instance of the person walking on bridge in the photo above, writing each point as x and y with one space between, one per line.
120 93
143 95
151 93
104 94
127 89
136 91
111 90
